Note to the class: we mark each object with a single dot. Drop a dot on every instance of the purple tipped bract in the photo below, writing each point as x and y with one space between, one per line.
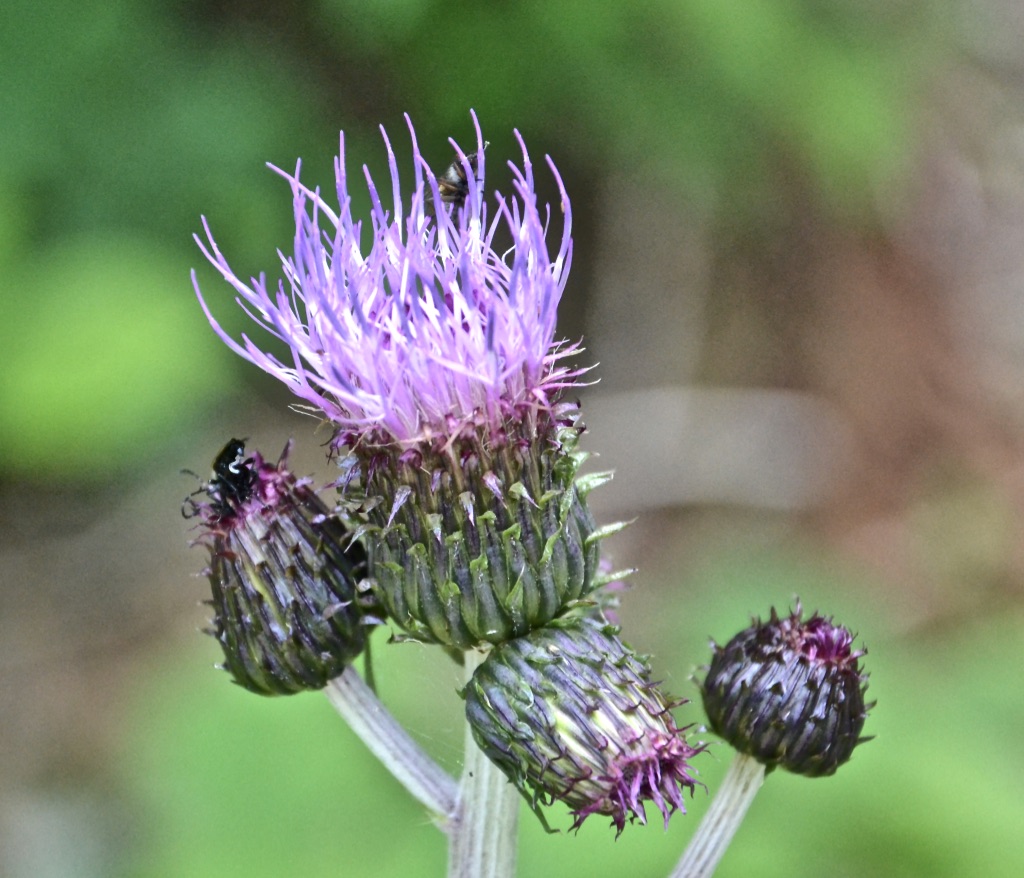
426 331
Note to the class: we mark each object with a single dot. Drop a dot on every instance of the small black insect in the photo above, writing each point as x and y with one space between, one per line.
230 485
452 185
233 478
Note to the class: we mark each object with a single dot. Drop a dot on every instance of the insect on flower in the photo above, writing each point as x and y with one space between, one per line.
283 573
411 324
233 475
453 183
230 485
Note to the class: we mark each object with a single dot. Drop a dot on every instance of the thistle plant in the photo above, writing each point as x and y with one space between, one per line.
786 693
425 337
790 693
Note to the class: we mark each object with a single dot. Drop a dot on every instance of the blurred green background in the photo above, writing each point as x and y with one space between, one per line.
797 262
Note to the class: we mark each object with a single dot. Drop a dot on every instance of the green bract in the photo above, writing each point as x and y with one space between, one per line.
482 549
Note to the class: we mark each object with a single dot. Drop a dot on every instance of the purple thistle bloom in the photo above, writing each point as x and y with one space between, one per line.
428 335
434 355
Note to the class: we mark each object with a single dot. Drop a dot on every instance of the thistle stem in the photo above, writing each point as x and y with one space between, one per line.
723 818
483 838
375 726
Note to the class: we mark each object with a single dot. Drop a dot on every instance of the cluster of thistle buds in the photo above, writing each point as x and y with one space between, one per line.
460 517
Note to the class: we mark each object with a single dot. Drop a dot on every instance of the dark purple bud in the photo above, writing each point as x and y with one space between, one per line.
790 693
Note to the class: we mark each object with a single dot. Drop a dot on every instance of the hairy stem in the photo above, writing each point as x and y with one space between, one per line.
392 745
723 818
483 837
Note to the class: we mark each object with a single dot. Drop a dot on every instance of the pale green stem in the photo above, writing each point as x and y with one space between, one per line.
482 840
723 818
392 745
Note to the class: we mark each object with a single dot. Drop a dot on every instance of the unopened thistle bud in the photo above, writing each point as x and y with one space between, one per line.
569 714
282 570
790 693
431 348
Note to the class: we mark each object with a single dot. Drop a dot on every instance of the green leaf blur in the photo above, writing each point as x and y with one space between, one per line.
105 360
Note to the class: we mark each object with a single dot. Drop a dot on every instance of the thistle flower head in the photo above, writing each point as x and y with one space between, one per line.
790 693
414 329
282 573
569 713
431 347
